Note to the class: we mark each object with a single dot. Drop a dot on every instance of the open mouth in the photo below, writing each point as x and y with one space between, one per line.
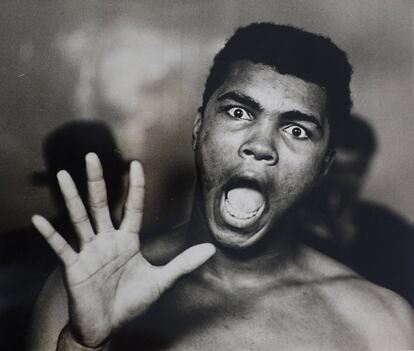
242 203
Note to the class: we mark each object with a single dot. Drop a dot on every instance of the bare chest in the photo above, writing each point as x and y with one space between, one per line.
190 318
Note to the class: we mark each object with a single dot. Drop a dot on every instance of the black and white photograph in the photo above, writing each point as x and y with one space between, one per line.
206 175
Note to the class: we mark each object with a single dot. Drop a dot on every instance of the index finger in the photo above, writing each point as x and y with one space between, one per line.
134 205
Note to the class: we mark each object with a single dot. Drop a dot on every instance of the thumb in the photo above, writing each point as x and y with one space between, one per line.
185 263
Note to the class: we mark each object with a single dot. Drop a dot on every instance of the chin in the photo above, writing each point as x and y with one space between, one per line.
235 238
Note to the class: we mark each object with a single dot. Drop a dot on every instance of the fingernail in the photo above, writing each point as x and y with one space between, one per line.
91 155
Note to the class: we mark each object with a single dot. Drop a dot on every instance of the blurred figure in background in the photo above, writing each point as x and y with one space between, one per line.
66 147
25 258
368 237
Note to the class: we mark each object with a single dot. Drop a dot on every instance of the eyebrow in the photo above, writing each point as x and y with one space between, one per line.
302 117
241 99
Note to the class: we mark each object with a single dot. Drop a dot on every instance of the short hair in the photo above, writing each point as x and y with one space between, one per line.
293 51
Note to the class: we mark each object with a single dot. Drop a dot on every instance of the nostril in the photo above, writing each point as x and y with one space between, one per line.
259 153
248 152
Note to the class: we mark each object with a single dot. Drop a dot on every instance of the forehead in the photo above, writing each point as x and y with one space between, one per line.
274 91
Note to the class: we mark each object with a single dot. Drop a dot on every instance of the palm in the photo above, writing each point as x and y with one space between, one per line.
112 268
109 281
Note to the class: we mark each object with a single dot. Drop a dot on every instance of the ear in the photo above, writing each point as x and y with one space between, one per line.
196 128
327 162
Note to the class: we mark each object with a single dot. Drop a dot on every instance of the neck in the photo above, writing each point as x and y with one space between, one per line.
263 263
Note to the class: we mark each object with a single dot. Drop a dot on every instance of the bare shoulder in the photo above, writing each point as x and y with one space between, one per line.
373 309
50 314
384 318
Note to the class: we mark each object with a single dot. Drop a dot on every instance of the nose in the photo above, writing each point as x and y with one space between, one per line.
260 146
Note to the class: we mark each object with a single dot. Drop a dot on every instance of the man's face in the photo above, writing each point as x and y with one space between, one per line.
260 145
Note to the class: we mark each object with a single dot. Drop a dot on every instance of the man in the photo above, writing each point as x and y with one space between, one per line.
263 138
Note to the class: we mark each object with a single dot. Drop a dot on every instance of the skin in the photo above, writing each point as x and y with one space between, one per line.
247 296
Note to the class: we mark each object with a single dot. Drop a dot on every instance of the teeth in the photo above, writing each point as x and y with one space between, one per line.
242 207
244 199
239 214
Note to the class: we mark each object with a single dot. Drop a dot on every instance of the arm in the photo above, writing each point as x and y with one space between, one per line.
66 342
109 282
50 319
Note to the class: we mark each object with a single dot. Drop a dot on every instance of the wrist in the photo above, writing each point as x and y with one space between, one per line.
67 342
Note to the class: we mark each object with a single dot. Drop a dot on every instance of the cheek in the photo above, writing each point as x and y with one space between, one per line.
210 159
218 148
300 176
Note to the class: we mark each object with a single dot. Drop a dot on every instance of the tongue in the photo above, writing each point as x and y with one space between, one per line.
245 199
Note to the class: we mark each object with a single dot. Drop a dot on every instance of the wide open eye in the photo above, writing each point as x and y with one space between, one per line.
297 132
239 113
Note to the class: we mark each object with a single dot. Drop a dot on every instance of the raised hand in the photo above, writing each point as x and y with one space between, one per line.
109 281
